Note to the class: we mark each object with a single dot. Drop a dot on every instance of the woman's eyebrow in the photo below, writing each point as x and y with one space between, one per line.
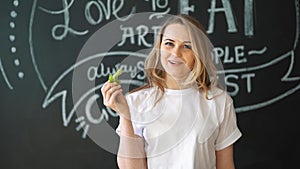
169 40
174 40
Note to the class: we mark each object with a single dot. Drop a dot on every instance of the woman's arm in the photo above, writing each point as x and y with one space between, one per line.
131 153
224 158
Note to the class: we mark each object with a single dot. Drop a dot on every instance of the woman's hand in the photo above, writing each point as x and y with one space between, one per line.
114 98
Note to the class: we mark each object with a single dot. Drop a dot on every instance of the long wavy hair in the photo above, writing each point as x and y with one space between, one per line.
203 73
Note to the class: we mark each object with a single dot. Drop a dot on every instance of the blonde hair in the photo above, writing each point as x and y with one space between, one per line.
203 71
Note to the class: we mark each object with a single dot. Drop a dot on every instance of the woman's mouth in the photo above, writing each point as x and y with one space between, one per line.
175 62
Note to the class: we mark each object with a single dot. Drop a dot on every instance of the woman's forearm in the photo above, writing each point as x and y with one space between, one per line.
131 153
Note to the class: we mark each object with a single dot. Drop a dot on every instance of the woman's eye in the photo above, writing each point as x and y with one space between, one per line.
169 44
188 46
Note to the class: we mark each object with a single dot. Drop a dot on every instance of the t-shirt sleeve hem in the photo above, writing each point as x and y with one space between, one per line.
229 140
137 130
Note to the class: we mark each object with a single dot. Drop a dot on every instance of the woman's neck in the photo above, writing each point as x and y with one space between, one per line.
174 84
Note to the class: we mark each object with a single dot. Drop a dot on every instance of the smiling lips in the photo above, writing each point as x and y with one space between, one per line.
175 62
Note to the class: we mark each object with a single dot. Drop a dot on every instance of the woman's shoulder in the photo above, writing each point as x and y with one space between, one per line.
219 95
142 91
141 101
141 95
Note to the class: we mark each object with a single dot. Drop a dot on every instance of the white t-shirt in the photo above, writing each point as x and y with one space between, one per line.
184 129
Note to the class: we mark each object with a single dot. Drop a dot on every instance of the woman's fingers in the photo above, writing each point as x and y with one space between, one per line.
106 86
109 92
112 99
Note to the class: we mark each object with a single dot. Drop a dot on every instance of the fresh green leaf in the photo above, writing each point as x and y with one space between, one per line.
115 77
110 78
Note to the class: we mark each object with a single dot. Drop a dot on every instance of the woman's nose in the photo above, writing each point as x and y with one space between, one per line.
176 51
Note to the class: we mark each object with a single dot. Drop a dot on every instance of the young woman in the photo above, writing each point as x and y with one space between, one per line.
181 119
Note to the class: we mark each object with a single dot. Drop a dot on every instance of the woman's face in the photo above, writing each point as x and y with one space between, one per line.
177 56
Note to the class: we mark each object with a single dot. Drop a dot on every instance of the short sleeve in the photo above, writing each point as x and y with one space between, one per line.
228 129
137 129
141 104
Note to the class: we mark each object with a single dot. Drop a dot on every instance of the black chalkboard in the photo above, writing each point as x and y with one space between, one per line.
56 54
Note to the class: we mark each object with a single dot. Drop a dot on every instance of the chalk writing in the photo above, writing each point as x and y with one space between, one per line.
248 76
103 71
112 8
66 25
158 5
231 80
228 13
107 11
238 55
248 17
236 79
228 55
184 7
141 31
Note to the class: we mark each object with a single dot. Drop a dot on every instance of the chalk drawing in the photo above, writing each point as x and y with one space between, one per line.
82 125
161 8
12 38
13 49
257 52
5 77
63 94
31 46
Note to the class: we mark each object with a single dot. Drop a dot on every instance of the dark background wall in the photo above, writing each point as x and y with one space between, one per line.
51 113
